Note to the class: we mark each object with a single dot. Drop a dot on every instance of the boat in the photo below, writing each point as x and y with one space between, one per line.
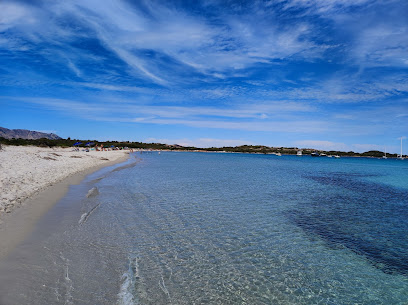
401 157
299 153
323 155
385 153
278 154
315 154
337 156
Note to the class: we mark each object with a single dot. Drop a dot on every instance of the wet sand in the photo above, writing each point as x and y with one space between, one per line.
19 223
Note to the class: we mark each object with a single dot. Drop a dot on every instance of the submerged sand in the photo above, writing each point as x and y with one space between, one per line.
27 170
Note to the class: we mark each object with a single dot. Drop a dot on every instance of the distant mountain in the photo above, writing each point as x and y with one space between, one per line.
26 134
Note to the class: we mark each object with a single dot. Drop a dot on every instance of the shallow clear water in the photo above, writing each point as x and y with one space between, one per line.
213 228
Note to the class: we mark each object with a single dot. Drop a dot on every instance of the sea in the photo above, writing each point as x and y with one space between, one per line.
221 228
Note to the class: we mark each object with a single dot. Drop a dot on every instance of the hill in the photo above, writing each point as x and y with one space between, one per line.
26 134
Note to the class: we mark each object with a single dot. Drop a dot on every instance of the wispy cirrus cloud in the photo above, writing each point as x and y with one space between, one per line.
173 35
285 66
328 145
322 144
322 7
256 110
278 116
253 118
200 142
294 126
162 43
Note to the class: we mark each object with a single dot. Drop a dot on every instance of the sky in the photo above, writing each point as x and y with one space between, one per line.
323 74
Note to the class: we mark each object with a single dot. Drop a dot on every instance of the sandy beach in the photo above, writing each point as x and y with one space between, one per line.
27 170
33 179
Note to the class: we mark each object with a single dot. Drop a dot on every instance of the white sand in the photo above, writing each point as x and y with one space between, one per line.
27 170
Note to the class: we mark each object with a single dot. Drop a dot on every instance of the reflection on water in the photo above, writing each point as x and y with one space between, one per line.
195 228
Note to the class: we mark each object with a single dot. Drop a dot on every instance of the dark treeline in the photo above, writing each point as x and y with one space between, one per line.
140 145
43 142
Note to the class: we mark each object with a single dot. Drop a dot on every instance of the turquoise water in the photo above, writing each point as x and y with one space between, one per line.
213 228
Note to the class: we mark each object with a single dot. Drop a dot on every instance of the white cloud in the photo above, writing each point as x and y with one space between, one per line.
249 118
200 142
109 87
74 68
12 13
208 47
270 126
360 148
375 30
367 147
323 145
131 107
324 7
146 40
381 45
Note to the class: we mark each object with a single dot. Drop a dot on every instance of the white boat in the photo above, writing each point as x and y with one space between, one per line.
385 153
401 157
337 156
299 153
278 154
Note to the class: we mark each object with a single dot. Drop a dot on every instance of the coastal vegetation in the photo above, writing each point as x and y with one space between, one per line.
260 149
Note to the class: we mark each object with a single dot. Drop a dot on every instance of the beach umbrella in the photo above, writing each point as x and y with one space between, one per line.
89 143
77 143
112 145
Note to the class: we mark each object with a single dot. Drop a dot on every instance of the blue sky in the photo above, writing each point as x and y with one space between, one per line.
322 74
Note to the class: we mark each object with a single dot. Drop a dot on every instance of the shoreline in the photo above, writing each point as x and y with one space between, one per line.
16 225
26 171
